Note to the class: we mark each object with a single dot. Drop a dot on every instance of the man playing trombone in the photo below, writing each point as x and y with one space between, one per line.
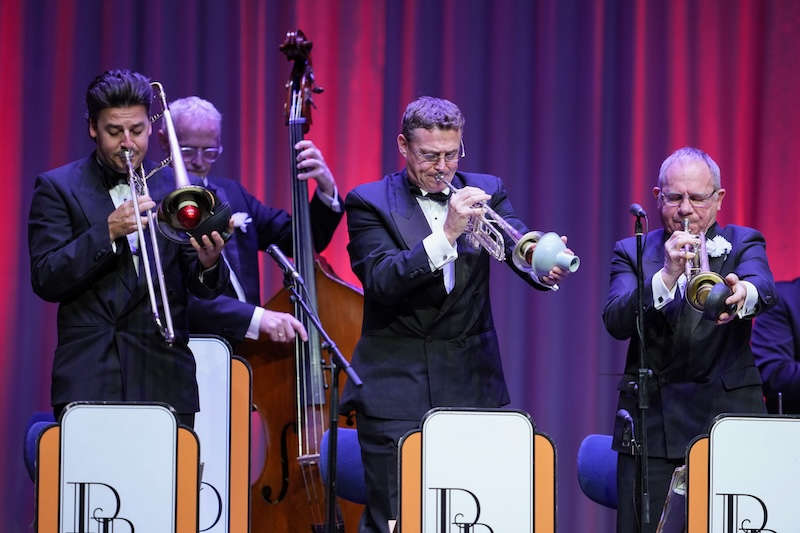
86 255
427 339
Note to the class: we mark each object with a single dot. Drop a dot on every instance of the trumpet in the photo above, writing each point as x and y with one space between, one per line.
188 211
706 291
484 231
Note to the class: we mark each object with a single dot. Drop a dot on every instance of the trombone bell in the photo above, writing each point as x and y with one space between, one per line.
192 211
189 210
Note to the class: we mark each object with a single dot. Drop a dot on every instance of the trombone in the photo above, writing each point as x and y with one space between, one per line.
188 211
138 186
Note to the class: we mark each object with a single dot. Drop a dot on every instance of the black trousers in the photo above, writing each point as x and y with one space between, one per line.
378 438
659 476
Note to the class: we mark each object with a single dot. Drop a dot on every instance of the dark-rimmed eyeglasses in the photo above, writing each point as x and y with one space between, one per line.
209 154
674 199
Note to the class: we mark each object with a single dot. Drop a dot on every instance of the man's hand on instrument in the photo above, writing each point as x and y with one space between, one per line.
312 166
208 249
122 220
675 256
738 297
461 207
556 274
281 327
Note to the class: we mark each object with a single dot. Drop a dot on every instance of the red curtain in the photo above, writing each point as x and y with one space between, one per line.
574 103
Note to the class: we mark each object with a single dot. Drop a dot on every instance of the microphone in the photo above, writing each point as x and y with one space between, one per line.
625 415
637 211
285 264
627 429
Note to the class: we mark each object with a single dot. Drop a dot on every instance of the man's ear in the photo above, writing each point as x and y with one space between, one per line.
93 130
402 145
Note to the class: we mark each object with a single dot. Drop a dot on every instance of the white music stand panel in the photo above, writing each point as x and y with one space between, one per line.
213 427
754 473
477 468
118 468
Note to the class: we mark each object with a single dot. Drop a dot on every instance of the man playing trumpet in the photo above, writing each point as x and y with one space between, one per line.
701 367
427 338
85 255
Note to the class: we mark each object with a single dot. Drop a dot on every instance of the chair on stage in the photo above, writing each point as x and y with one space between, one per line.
37 424
350 483
597 470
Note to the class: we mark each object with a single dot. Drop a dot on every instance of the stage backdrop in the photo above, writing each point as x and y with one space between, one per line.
574 103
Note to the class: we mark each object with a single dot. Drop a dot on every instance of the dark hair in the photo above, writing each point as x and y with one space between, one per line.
117 88
428 113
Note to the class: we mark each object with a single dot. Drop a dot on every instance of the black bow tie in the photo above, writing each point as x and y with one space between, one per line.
111 178
440 197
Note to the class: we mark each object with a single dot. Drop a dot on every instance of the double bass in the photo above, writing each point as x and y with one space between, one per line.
290 382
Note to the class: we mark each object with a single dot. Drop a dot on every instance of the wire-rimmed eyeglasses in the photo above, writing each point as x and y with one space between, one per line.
209 154
674 199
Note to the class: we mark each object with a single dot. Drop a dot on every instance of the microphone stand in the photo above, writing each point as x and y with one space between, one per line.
337 363
643 377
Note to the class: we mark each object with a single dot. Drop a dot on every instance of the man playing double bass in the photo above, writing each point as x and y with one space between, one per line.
237 313
427 339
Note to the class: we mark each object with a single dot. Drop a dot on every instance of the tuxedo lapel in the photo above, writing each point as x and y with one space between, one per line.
231 253
467 258
406 212
92 195
715 264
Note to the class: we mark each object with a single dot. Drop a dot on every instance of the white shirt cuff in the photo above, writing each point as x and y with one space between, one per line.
331 201
661 294
440 251
750 302
254 328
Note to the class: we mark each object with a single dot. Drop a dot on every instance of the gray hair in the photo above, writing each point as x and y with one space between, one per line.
428 113
194 107
690 153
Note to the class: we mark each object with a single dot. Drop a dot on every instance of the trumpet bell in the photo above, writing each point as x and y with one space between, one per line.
706 293
192 211
550 252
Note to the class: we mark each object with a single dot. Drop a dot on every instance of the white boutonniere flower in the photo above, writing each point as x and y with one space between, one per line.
718 246
241 220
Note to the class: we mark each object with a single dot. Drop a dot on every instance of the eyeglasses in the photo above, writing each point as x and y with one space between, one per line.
674 199
209 154
434 157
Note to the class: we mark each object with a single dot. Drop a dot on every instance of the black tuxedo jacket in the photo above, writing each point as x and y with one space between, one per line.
108 345
226 315
420 347
700 369
776 346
